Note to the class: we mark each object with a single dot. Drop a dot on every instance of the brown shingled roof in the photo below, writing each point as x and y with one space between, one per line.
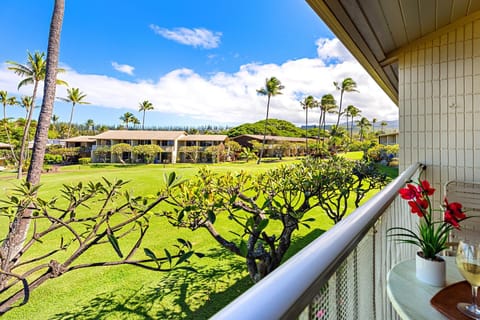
81 139
140 135
204 137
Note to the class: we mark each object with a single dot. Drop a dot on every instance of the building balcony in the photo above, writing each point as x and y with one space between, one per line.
340 275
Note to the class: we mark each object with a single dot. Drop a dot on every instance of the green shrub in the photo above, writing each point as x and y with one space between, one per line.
84 160
53 158
383 153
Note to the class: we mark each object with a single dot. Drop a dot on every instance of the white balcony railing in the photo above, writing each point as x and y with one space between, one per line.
340 275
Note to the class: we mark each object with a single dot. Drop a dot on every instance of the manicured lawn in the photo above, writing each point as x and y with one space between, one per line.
132 293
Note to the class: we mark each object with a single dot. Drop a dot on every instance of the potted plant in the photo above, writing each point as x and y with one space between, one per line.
432 236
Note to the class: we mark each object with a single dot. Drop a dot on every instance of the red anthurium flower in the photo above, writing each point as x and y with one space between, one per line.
426 187
433 235
449 218
418 207
409 193
454 209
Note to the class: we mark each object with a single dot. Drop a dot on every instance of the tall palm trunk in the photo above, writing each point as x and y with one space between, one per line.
351 130
339 111
348 116
143 120
7 132
70 121
264 131
20 225
324 126
26 129
306 130
319 126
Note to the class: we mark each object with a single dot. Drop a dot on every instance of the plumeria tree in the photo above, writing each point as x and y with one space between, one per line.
148 151
90 216
254 217
119 149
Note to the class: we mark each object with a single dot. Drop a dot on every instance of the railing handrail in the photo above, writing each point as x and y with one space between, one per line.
299 279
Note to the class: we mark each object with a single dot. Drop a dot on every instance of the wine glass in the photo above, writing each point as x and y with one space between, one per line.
468 262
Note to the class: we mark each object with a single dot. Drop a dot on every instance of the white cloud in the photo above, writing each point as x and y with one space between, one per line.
197 37
332 50
231 97
125 68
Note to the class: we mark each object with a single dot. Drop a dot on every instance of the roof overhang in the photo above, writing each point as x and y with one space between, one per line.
377 31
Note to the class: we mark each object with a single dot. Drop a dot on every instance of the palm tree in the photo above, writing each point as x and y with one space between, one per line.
327 105
27 103
347 85
135 121
353 112
32 72
5 100
383 125
55 119
145 106
273 87
90 124
363 124
75 96
12 244
307 103
127 118
374 120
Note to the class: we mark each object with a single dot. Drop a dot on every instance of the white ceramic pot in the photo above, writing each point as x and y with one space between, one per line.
432 272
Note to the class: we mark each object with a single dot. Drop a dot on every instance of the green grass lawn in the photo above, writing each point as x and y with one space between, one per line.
126 292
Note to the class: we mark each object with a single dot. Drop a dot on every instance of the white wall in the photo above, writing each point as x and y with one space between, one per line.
439 94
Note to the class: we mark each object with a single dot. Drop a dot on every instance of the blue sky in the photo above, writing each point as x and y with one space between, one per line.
198 62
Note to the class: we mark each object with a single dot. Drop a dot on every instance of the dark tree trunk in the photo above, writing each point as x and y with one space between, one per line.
19 227
260 265
264 132
26 129
71 119
7 132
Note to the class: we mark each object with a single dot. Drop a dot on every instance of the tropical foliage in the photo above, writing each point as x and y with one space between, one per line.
272 87
347 85
275 127
147 151
80 229
143 107
119 149
75 96
268 208
33 72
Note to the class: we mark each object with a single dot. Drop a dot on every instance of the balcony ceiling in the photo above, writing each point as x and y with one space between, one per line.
375 31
